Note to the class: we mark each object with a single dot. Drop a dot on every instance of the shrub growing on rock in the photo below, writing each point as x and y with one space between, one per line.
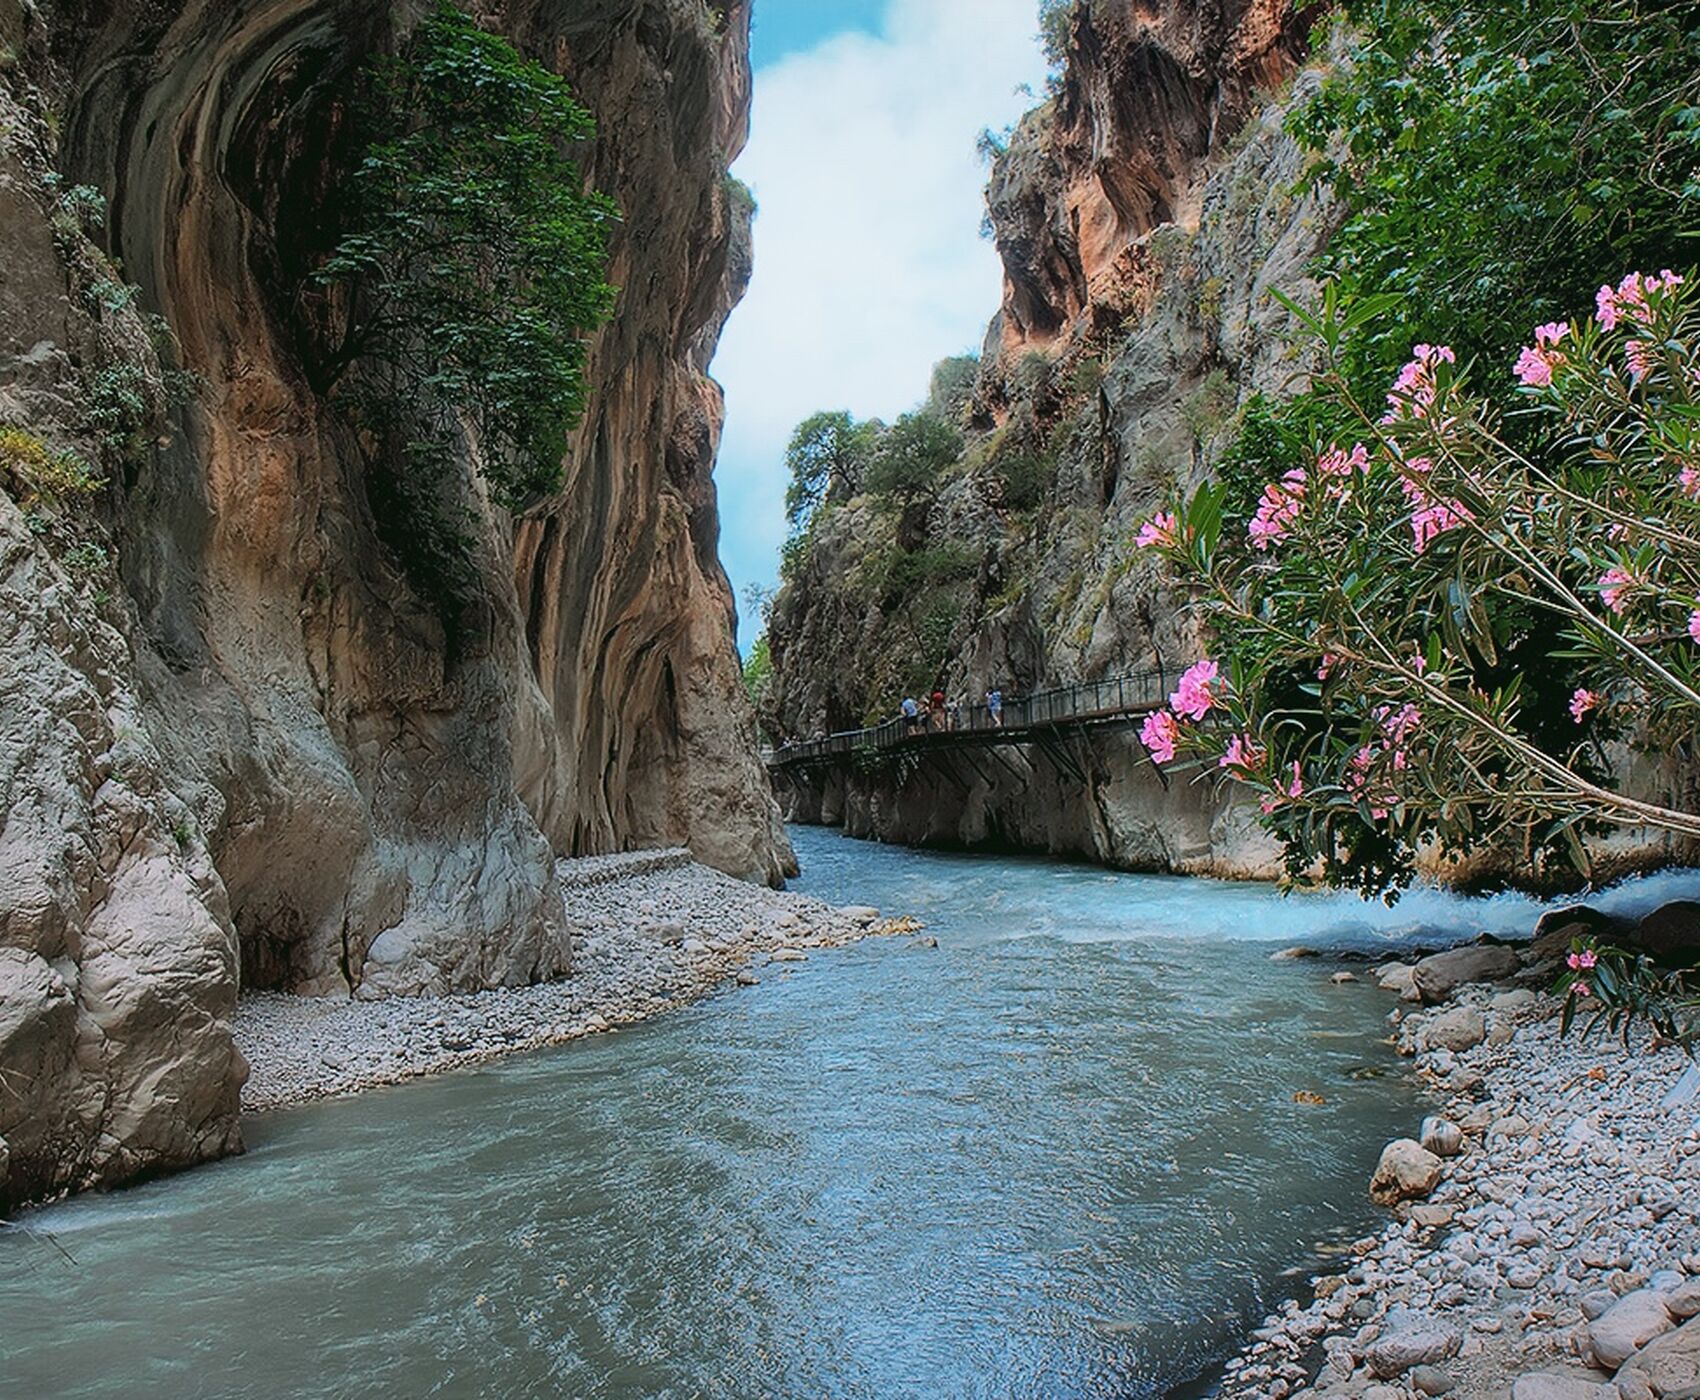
474 259
1378 610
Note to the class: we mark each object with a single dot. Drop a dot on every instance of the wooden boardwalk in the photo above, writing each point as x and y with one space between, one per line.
1046 718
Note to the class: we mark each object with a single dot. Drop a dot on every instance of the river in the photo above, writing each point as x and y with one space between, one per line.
1057 1155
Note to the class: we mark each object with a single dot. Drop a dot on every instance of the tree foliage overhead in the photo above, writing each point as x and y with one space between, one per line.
1503 153
475 259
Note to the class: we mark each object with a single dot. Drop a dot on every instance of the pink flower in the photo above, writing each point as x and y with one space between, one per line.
1242 753
1283 792
1158 734
1689 480
1581 702
1638 357
1414 386
1581 988
1337 462
1279 504
1694 625
1629 298
1580 962
1434 520
1194 699
1328 662
1160 529
1399 725
1614 584
1535 365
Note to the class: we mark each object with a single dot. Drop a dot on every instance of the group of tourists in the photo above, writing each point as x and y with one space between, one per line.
936 714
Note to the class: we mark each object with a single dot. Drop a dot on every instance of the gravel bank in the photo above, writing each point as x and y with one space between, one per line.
1547 1248
656 930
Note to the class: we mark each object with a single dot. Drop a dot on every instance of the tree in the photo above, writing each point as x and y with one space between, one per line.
951 387
827 458
1497 153
912 456
474 260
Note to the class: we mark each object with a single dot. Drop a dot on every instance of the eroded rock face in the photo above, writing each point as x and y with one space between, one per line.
326 783
1149 93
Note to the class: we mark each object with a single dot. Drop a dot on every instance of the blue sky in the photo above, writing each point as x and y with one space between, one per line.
869 266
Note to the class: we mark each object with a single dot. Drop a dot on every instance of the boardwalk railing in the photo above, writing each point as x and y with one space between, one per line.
1085 704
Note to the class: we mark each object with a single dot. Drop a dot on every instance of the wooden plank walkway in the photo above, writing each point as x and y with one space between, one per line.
1038 718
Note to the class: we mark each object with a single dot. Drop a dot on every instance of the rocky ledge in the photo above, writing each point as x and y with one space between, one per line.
656 930
1545 1240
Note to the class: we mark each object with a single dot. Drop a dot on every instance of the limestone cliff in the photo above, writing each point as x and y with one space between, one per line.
236 742
1142 214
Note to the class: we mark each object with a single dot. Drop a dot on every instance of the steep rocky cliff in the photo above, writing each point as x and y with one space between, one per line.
1142 215
236 742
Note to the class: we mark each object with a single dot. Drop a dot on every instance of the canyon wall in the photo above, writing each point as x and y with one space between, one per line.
1141 215
238 744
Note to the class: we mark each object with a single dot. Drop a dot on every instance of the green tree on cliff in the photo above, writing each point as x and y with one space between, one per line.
474 259
827 457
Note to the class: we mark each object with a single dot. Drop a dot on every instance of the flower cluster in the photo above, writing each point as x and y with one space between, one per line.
1628 300
1583 701
1194 698
1161 529
1535 364
1414 388
1278 507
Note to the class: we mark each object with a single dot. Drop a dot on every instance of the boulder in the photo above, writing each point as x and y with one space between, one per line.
1627 1326
1407 1171
1556 929
1667 1368
1431 1380
1441 1136
1436 977
1671 931
1553 1385
1409 1338
1397 978
1681 1302
1461 1028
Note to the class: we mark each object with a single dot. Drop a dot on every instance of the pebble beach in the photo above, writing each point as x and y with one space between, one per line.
1543 1240
655 930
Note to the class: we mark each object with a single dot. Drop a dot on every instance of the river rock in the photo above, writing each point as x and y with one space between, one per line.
1556 929
1552 1385
1436 977
1407 1171
1672 930
1431 1380
1441 1136
1667 1368
1629 1324
1681 1302
1397 977
1409 1338
787 955
860 913
1461 1028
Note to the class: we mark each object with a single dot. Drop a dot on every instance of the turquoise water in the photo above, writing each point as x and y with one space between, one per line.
1056 1156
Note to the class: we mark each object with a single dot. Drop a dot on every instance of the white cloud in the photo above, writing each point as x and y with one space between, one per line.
868 262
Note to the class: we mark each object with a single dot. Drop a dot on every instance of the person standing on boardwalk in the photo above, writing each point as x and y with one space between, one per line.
911 713
994 704
937 712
